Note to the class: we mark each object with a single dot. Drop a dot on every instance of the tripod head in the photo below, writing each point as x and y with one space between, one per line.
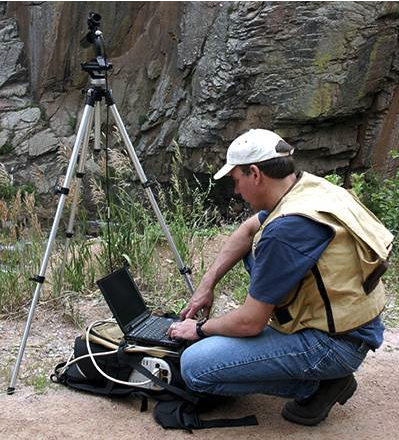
97 66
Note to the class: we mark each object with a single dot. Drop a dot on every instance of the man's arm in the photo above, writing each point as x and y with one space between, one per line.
236 247
248 320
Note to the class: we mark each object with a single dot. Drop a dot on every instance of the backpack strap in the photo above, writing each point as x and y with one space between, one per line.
177 414
144 400
129 360
96 389
229 423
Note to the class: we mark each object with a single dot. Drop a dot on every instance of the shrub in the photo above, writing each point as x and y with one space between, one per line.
379 194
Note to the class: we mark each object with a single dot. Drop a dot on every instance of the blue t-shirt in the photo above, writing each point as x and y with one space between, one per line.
288 248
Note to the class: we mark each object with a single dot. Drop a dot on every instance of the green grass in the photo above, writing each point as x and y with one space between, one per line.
80 271
40 382
379 194
17 266
236 283
6 149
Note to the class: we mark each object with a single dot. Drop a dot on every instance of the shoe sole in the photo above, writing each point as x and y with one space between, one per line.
343 397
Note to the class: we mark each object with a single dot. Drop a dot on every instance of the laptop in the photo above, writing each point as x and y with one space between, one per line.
131 313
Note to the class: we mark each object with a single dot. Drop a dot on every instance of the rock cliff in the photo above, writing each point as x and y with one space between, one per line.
322 74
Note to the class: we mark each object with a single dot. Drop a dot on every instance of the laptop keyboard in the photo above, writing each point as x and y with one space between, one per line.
153 328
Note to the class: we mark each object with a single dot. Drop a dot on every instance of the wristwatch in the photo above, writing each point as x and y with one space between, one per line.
198 328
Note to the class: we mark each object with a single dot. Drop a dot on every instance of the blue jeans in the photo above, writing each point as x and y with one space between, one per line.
269 363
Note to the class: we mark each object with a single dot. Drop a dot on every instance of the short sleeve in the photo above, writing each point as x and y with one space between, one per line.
289 247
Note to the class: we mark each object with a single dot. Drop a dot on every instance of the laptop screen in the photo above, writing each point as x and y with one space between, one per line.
122 296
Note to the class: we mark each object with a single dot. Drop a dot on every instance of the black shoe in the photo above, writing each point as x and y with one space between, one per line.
315 408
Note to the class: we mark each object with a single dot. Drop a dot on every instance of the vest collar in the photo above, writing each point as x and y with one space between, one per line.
299 176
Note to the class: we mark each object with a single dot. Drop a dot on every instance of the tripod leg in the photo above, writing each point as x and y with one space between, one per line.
75 202
97 126
88 110
133 156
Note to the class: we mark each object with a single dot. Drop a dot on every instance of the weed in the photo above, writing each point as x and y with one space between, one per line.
381 196
39 382
72 121
7 190
236 282
335 179
133 235
21 249
5 369
6 149
71 311
19 263
80 271
186 213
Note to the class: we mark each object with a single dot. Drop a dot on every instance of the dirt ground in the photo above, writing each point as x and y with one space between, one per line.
42 410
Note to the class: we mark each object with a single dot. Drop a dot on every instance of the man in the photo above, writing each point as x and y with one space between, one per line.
315 257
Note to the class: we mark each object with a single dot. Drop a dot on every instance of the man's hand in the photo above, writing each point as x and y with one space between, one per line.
201 300
184 330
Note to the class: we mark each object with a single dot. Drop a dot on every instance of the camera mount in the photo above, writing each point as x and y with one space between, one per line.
99 64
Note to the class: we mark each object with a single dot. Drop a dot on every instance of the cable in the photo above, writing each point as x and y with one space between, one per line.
71 361
107 180
113 379
108 193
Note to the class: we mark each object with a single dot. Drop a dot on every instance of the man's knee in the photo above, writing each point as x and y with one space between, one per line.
193 367
187 363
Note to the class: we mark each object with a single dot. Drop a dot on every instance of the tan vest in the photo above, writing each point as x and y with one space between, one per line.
343 291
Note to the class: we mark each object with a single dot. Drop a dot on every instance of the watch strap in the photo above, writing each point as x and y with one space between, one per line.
198 328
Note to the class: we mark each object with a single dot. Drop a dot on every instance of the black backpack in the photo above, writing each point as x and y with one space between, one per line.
176 408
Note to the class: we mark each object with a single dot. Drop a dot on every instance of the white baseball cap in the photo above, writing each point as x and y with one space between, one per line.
254 146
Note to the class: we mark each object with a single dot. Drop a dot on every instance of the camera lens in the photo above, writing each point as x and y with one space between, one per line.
96 17
93 20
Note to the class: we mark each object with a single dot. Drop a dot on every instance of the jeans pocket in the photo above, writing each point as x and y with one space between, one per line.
322 366
348 356
333 363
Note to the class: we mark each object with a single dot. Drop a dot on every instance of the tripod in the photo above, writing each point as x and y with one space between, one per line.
95 94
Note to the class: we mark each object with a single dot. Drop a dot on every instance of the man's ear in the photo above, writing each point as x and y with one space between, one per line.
256 172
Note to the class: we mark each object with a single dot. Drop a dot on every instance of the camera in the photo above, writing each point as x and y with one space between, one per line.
93 20
158 367
93 23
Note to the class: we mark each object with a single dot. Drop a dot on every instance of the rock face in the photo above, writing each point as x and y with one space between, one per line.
322 74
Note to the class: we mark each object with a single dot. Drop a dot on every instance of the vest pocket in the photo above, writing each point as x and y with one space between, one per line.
373 279
372 267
